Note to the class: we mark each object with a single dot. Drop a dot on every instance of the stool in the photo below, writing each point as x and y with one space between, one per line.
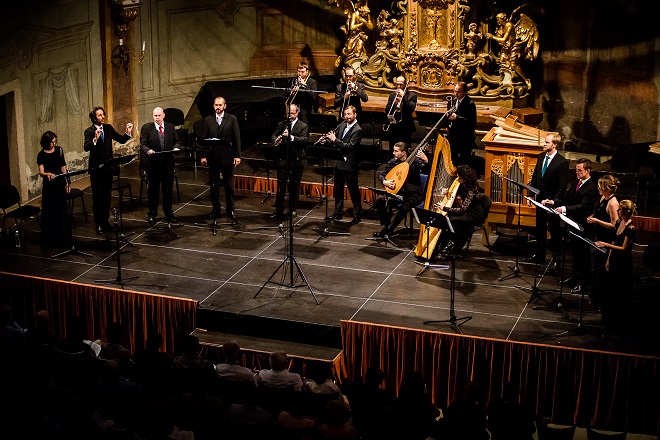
75 193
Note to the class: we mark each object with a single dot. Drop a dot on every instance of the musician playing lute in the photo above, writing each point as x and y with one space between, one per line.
411 190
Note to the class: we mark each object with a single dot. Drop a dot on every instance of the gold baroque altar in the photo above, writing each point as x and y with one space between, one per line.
434 46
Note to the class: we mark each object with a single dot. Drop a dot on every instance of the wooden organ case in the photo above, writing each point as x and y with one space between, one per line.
512 150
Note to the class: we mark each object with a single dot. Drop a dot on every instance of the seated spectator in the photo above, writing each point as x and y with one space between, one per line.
113 348
335 423
192 371
230 370
116 397
466 416
12 336
151 357
371 405
248 418
414 414
508 419
293 422
279 375
40 334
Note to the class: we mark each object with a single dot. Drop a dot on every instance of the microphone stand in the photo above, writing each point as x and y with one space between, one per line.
72 249
119 161
119 280
290 259
515 271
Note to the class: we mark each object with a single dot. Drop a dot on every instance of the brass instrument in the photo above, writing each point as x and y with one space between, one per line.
396 108
351 88
441 177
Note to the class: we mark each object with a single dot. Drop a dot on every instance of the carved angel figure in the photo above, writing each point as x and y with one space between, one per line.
516 40
471 40
358 19
391 34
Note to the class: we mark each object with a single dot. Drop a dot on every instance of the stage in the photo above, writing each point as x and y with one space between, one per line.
353 278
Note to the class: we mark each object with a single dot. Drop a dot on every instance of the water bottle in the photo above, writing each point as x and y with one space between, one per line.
17 238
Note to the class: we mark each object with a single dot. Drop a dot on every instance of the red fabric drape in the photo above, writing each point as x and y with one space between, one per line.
97 306
588 388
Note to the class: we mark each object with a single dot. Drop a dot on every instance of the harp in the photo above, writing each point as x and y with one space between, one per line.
442 176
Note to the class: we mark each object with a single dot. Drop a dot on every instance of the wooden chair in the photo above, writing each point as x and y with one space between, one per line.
604 435
10 202
548 431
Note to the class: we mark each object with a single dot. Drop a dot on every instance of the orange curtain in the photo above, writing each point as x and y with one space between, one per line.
97 306
582 387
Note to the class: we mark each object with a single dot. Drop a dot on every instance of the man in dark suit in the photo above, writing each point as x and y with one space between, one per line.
406 102
550 177
462 120
98 141
294 143
346 138
350 92
157 137
303 86
578 204
224 158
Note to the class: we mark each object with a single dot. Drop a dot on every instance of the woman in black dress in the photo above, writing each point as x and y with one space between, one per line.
619 264
604 218
55 228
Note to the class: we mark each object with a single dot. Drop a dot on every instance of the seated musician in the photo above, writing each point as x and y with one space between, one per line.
466 212
411 191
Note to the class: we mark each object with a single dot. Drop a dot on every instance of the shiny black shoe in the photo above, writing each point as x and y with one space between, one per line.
99 230
334 216
569 280
171 219
535 258
382 233
294 214
555 266
356 220
276 215
151 220
214 214
231 215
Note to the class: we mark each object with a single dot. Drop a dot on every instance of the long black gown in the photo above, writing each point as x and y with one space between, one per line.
55 228
620 277
600 280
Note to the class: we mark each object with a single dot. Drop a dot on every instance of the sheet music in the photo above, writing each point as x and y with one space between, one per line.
586 240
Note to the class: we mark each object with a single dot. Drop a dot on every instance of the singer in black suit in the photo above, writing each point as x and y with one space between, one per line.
303 86
98 141
350 92
461 132
294 143
155 137
223 126
403 113
346 138
550 178
578 204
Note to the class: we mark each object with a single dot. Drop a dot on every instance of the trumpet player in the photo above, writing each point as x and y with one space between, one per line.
291 136
463 118
303 87
400 107
347 137
350 93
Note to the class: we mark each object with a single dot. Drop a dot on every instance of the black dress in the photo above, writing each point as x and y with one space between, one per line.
620 276
601 233
55 228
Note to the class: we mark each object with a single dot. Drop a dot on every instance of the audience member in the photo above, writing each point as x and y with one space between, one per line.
335 423
466 416
40 334
113 348
508 419
371 405
279 376
12 336
414 414
230 370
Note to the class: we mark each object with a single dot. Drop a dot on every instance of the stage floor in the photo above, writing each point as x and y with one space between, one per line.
352 278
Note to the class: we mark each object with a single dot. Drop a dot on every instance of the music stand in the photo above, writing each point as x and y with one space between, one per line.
443 223
326 154
270 154
119 161
431 219
515 271
119 280
377 118
388 197
320 122
580 328
72 249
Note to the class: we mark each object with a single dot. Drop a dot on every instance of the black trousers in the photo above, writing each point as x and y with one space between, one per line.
293 187
350 179
101 182
545 222
228 183
160 175
410 200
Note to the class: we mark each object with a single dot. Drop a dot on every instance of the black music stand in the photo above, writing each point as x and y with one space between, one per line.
326 154
72 249
388 198
119 161
119 280
515 270
377 118
214 143
444 224
436 220
271 154
580 328
320 122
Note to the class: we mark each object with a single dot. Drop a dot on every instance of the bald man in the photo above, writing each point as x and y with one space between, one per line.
158 139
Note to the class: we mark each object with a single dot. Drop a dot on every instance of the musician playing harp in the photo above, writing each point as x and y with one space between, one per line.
467 210
399 110
411 191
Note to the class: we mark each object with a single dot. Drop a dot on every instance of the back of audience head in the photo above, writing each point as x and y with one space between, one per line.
191 345
374 377
231 351
279 361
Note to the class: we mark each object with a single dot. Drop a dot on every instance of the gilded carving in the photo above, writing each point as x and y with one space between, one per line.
497 168
358 22
515 158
